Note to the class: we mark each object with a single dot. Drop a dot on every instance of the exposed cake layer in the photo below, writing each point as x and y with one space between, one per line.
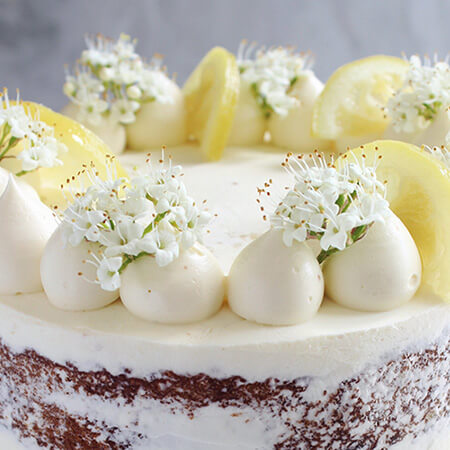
402 402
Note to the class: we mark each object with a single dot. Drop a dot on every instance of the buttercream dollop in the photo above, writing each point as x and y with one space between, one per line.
68 275
273 284
25 227
189 289
379 272
293 131
249 123
159 123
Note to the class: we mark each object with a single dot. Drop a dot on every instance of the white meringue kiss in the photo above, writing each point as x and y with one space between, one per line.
379 272
273 284
112 134
189 289
25 226
293 131
67 277
158 123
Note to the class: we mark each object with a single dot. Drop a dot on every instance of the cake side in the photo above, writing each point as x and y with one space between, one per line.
224 345
58 404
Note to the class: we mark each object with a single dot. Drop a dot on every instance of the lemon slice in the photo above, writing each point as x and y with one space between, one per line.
84 148
352 101
418 190
211 94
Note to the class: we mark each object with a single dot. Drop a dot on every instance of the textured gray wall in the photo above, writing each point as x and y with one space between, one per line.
37 37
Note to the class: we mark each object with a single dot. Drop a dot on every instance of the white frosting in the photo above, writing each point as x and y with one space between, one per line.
274 284
379 272
249 124
25 226
112 134
293 131
189 289
158 123
67 277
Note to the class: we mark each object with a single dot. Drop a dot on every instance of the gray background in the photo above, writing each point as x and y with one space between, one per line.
37 37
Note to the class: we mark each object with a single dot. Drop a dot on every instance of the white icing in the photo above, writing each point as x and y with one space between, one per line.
25 226
68 278
249 123
379 272
111 133
158 123
293 131
189 289
274 284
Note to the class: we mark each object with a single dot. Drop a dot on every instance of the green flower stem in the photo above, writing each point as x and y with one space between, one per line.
358 232
129 259
12 142
324 254
6 130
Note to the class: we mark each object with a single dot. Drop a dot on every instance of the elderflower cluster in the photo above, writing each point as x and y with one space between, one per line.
39 147
112 80
271 74
335 207
150 214
425 92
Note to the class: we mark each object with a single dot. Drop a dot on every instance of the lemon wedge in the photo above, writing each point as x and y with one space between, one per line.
352 101
84 148
211 94
418 190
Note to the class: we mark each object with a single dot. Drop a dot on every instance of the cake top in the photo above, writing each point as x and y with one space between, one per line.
286 231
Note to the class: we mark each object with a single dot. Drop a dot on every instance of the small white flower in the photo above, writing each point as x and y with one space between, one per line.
134 92
124 47
294 232
156 86
15 117
113 81
84 225
372 208
151 214
108 273
334 207
271 74
106 74
123 110
425 91
69 88
336 233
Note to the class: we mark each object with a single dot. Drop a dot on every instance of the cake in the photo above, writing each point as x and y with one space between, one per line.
214 343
